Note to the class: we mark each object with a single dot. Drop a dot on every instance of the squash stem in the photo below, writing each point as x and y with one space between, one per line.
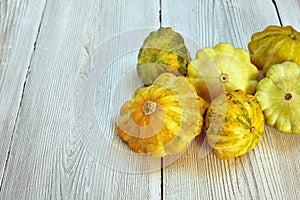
293 37
288 96
223 78
149 107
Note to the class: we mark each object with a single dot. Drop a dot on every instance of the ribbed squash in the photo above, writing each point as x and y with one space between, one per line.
234 124
222 68
279 96
274 45
162 51
163 118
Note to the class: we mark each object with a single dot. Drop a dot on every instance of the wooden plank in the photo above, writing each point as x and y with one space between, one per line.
289 144
210 22
48 158
270 170
19 28
289 12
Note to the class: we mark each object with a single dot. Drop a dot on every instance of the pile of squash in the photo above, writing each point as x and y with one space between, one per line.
220 93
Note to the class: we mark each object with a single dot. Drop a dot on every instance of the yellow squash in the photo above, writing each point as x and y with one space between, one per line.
274 45
279 96
234 124
222 68
163 118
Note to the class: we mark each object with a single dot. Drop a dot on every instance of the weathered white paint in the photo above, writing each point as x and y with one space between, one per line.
289 12
270 170
48 159
19 29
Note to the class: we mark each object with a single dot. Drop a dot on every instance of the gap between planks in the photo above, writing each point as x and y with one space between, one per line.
159 17
277 11
161 25
162 159
22 96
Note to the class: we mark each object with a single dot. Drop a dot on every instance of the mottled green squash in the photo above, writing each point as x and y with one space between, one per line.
234 124
163 50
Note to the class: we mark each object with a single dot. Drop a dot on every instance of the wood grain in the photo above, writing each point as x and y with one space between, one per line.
289 12
270 170
210 22
44 48
48 159
19 30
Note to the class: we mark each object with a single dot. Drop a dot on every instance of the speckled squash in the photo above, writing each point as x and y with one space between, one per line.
222 68
279 96
163 118
274 45
234 124
163 50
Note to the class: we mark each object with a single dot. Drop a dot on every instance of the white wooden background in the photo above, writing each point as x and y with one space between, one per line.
44 44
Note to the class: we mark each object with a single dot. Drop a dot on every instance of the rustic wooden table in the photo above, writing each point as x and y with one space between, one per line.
44 46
